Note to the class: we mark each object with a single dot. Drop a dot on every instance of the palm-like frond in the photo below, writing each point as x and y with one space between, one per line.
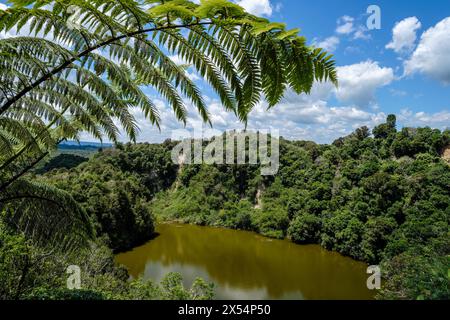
46 214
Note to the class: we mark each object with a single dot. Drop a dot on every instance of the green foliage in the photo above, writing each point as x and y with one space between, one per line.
305 228
43 293
31 207
67 76
13 260
171 288
236 215
411 141
115 188
355 197
82 74
418 273
271 222
31 272
63 160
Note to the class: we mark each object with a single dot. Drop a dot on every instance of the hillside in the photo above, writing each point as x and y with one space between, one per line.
382 198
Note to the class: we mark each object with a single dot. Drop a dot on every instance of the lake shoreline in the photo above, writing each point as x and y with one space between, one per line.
247 265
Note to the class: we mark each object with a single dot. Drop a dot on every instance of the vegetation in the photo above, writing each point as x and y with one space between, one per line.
36 272
360 196
85 71
115 187
63 160
381 198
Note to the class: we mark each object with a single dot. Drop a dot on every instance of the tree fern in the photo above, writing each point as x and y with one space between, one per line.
46 214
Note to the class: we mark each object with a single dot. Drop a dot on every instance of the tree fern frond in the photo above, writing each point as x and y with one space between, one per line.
46 214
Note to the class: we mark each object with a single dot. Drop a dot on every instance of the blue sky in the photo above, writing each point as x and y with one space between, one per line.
319 20
402 68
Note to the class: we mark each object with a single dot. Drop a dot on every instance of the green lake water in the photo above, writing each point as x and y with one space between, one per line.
244 265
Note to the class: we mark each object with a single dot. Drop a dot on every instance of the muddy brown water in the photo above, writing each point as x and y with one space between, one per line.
245 265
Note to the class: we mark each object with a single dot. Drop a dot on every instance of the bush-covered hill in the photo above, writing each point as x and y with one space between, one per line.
63 160
383 198
115 187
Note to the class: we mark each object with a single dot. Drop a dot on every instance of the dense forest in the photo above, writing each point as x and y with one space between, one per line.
382 197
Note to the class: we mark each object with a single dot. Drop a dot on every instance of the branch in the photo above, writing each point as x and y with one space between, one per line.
27 146
23 171
67 63
30 196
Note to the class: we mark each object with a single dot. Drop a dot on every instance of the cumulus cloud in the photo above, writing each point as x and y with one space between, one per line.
404 35
300 117
348 26
361 33
345 25
297 117
431 57
308 117
312 117
359 82
329 44
257 7
439 120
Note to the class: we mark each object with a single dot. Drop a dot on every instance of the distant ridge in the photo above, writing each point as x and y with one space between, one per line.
83 144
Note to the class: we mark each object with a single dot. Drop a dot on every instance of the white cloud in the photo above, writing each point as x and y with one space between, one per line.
308 117
177 59
278 7
301 117
257 7
361 33
439 120
345 25
312 117
358 82
348 26
431 56
398 93
404 35
329 44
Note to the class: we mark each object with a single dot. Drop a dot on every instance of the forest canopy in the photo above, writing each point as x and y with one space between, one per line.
382 198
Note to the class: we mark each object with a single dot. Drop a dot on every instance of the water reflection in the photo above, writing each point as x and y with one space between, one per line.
244 265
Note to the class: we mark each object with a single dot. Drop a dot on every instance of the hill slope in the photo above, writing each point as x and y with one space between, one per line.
383 199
